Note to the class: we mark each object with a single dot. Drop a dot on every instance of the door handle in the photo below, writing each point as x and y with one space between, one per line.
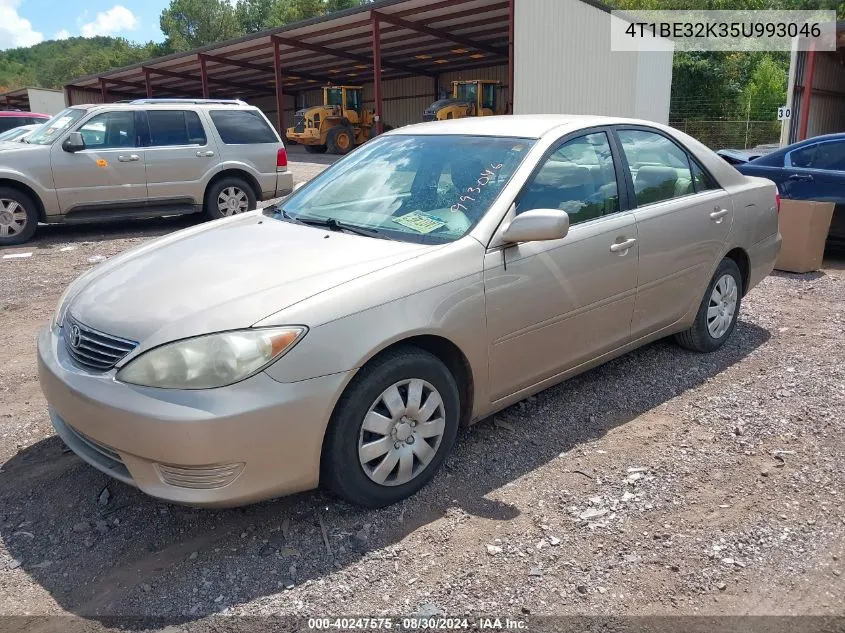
801 177
129 159
622 247
718 215
207 154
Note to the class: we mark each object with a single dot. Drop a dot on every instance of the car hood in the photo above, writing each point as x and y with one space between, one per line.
223 275
18 146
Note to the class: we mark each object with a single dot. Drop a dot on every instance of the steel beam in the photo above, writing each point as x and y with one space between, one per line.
280 97
225 61
104 90
190 77
148 84
206 91
333 52
807 93
439 34
511 34
379 105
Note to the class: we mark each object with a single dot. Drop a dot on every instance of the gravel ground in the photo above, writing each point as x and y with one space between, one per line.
663 482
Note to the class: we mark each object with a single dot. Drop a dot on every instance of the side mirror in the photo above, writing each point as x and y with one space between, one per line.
74 143
537 225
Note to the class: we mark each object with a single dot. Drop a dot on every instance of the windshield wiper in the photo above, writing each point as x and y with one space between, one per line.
335 225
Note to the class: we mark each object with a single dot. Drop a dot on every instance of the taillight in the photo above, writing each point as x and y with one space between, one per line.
777 201
282 158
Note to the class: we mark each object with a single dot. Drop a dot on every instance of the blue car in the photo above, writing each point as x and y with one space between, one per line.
813 169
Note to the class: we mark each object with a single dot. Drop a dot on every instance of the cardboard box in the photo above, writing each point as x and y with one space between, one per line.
804 225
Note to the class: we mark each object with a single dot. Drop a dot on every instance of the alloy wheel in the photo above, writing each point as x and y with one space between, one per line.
12 217
232 200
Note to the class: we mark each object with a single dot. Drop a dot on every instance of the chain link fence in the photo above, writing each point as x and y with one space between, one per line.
721 126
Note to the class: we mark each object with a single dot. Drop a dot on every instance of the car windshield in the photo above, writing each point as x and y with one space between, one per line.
424 189
53 128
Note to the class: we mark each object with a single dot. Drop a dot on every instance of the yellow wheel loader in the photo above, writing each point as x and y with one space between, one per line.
337 126
477 97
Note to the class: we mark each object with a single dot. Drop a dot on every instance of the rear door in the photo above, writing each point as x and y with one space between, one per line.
109 174
180 157
817 172
683 219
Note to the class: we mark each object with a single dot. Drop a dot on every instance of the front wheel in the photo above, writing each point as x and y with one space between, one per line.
18 217
229 196
718 312
392 429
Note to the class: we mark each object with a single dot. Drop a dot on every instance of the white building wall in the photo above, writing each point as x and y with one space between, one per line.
563 64
46 101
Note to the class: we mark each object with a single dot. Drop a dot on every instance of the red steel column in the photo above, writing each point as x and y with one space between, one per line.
810 69
148 83
104 90
511 13
280 97
68 96
377 73
206 93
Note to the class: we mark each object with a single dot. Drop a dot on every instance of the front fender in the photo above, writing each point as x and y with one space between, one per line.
44 190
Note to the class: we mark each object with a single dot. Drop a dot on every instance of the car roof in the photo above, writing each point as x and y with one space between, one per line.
18 113
516 125
166 105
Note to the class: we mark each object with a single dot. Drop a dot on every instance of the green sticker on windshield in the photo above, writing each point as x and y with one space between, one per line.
420 222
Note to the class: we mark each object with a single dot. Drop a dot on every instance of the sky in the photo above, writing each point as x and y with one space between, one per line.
27 22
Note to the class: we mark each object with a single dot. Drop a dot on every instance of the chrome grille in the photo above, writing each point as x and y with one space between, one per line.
94 349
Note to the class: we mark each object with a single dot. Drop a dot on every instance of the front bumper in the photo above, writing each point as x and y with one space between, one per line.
254 440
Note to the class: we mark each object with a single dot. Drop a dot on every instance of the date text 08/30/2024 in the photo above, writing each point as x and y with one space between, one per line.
417 624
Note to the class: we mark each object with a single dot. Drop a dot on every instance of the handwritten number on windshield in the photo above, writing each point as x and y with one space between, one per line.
482 181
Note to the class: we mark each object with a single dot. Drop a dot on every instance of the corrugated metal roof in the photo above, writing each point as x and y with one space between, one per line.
418 38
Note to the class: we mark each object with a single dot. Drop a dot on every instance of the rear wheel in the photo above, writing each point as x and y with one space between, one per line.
340 140
229 196
316 149
718 312
18 217
391 429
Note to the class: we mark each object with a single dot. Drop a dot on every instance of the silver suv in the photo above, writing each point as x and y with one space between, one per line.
144 158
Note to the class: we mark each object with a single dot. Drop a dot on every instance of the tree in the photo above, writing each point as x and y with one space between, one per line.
190 24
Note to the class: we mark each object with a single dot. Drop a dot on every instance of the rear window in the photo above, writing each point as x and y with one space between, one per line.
242 127
175 127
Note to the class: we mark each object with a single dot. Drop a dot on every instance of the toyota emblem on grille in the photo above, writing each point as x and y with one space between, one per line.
75 336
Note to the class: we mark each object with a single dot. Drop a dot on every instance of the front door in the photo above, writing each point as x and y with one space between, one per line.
109 174
554 305
683 218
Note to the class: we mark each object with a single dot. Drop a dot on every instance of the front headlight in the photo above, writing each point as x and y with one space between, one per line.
210 361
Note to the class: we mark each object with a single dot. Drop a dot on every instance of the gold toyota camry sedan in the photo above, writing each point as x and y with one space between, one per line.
433 276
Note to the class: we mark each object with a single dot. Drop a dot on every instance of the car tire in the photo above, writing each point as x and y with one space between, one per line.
316 149
716 318
340 140
229 189
18 213
363 426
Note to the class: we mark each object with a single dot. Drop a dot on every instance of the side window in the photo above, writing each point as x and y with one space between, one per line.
175 127
488 99
243 127
701 179
660 169
804 156
110 130
353 100
577 178
829 156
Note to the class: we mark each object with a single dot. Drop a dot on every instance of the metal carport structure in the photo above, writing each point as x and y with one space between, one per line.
376 45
